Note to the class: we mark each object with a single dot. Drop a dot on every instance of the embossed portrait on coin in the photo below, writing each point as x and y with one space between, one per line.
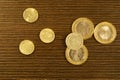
76 55
105 33
83 28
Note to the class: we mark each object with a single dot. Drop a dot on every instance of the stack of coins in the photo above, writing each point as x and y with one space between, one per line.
76 53
83 28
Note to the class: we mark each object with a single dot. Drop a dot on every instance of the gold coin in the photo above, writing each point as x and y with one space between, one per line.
105 32
74 41
30 15
26 47
47 35
84 26
76 57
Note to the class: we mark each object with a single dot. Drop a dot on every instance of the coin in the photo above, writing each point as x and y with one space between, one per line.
30 15
74 41
26 47
105 32
47 35
84 26
76 57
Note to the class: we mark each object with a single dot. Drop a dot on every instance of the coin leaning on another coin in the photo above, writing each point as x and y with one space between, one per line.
74 41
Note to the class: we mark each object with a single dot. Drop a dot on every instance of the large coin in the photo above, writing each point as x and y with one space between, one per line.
76 57
30 15
47 35
84 26
74 41
105 32
26 47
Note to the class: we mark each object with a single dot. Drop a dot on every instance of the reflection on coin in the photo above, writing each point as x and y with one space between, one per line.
30 15
76 57
84 26
47 35
74 41
105 32
26 47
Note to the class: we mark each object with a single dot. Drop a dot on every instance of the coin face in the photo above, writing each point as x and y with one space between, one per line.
26 47
84 26
76 57
74 41
105 32
47 35
30 15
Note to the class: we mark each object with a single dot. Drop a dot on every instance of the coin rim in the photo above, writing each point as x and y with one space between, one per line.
52 31
74 25
74 62
20 45
67 38
111 26
36 14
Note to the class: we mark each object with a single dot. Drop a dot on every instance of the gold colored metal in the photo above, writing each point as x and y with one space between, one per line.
76 57
47 35
30 15
26 47
105 33
84 26
74 41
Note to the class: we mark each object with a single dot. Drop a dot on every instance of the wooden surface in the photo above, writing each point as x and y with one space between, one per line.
48 60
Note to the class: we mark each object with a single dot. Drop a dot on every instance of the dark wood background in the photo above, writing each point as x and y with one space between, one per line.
48 61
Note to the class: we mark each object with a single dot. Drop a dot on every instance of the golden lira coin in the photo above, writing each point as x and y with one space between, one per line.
105 32
77 57
84 26
47 35
26 47
30 15
74 41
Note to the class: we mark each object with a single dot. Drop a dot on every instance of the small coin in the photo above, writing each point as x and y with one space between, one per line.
105 33
74 41
26 47
76 57
84 26
47 35
30 15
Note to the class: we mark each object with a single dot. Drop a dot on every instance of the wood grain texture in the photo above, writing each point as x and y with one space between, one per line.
48 61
